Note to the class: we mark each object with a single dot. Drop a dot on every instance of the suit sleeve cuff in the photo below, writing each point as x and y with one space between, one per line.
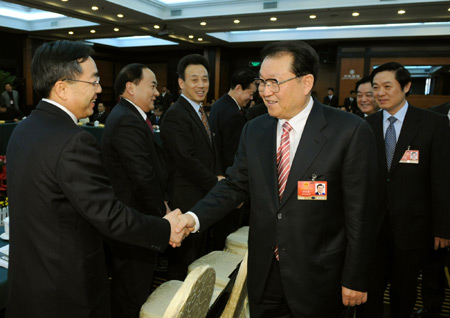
197 222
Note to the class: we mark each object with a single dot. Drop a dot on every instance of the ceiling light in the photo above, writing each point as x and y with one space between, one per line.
401 12
355 14
95 8
273 19
237 21
92 31
64 0
156 26
191 36
448 9
116 29
70 32
120 15
200 39
203 23
313 16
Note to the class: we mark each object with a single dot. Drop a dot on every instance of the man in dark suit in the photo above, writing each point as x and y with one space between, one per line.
135 165
350 102
10 97
331 99
307 257
60 199
413 194
186 135
101 115
227 120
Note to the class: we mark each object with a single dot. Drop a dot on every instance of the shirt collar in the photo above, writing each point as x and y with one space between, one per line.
298 120
194 104
235 101
74 118
400 115
143 114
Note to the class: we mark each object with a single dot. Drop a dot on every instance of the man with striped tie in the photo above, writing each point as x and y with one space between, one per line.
308 257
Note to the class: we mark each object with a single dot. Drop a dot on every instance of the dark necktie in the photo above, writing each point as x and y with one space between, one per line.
205 121
390 140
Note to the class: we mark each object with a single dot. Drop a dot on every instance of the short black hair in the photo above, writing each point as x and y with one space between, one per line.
305 59
364 80
352 92
244 77
402 75
129 73
54 61
191 59
331 89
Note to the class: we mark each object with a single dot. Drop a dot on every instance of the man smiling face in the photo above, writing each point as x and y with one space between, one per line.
196 82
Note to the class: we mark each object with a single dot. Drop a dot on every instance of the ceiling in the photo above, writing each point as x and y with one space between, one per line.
180 20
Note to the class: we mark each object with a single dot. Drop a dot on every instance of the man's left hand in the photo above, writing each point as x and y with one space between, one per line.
353 297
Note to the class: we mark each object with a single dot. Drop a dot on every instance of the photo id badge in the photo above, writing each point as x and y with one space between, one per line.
312 190
410 156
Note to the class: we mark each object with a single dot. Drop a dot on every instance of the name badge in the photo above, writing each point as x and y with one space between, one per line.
410 156
312 190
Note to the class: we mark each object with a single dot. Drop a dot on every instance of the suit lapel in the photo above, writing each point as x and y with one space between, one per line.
309 147
410 127
267 149
196 119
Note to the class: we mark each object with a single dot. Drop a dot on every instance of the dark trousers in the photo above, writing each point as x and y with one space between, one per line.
131 271
400 268
433 279
273 303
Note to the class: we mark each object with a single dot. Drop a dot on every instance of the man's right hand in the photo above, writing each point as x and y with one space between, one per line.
176 236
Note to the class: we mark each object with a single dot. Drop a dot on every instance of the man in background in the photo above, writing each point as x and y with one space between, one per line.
135 164
367 104
331 99
227 120
350 102
60 200
101 115
10 97
187 136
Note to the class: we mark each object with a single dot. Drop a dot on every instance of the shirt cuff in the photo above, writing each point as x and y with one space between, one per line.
197 222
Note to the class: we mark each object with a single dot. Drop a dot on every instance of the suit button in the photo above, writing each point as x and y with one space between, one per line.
279 216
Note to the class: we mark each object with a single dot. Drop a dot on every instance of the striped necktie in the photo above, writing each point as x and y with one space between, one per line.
205 121
283 159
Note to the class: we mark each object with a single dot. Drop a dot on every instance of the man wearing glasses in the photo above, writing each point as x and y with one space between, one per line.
61 202
307 258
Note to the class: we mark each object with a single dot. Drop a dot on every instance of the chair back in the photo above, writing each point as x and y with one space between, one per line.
194 295
236 302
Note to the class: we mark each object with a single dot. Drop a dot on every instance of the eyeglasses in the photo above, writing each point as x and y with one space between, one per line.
272 83
95 83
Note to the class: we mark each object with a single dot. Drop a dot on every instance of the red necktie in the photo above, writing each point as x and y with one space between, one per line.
283 159
149 123
283 166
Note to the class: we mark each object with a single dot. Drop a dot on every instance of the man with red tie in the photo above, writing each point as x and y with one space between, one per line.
307 257
135 164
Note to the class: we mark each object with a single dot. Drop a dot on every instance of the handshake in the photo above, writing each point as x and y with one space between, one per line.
181 225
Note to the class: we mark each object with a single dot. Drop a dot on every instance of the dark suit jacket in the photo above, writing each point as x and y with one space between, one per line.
61 205
134 160
101 118
227 122
192 155
334 102
414 197
322 244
